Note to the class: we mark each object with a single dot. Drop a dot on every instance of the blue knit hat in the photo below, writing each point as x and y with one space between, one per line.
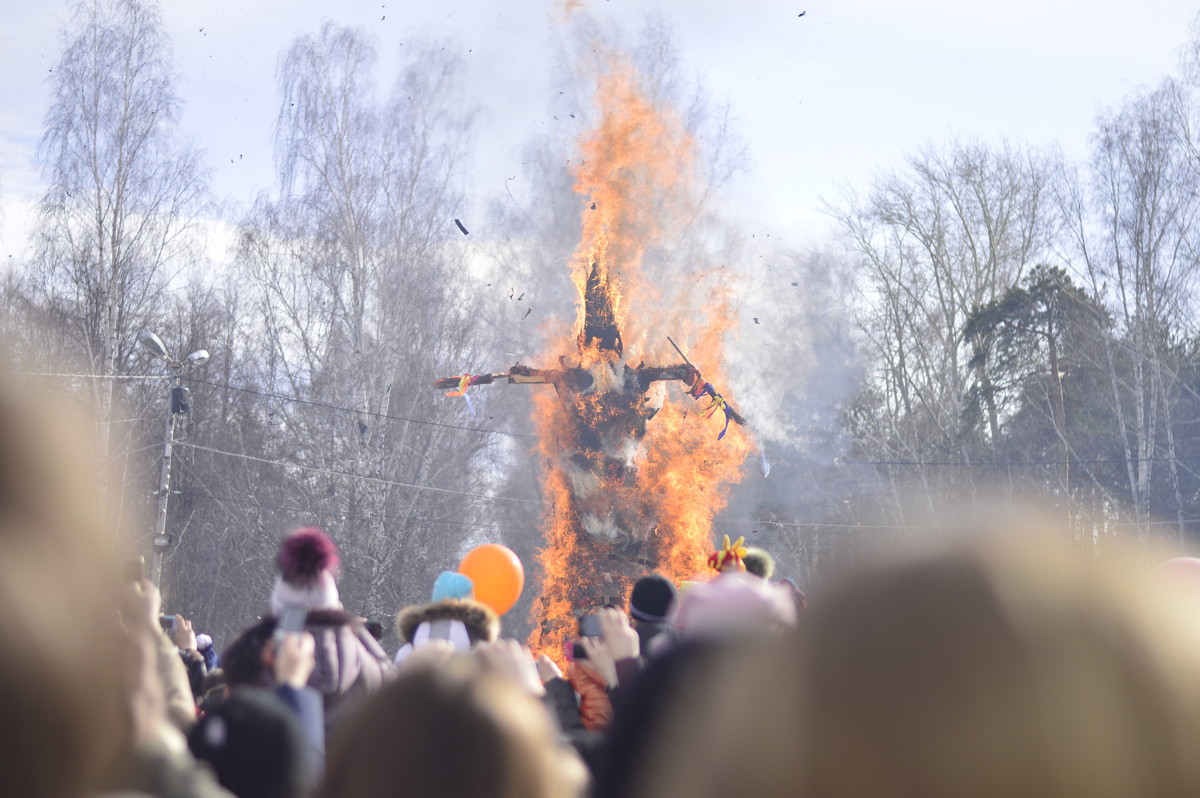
452 585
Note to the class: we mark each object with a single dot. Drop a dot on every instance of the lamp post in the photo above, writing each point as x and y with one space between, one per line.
176 407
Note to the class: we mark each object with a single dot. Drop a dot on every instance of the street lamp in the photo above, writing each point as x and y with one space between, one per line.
179 404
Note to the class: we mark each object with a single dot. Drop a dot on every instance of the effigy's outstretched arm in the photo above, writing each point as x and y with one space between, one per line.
456 383
528 375
517 374
697 387
684 372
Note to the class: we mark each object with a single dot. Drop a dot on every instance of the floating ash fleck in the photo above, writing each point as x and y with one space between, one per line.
461 227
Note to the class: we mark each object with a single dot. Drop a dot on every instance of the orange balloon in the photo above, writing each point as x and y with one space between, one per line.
497 574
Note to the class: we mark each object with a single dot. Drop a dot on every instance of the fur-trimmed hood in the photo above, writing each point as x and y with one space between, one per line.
332 618
481 622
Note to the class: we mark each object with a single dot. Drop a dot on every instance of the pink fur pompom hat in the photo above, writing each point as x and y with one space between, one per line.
308 560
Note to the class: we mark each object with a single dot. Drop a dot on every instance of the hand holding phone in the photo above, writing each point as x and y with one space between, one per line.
588 627
294 659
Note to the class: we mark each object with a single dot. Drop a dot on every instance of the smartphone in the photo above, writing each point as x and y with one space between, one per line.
591 626
135 569
439 630
291 620
573 652
167 622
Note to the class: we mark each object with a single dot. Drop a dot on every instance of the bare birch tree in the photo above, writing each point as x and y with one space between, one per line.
954 231
1133 222
123 191
358 282
116 221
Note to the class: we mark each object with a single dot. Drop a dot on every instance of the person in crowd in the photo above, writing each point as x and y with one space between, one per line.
156 760
613 658
80 689
988 669
268 743
591 679
759 562
644 714
452 616
735 603
798 594
455 726
204 643
350 664
187 643
715 621
249 657
652 603
214 691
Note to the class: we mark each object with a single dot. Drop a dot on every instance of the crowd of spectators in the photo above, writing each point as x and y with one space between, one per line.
991 665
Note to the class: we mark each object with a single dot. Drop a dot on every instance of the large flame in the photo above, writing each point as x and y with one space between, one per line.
637 163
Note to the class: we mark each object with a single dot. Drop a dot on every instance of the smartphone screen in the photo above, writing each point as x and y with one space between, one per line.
291 620
591 626
439 630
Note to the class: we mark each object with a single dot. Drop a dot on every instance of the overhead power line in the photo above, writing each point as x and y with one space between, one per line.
282 398
824 525
507 433
360 477
89 376
1020 463
247 502
369 414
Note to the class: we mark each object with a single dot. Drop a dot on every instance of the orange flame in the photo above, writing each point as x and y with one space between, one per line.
638 162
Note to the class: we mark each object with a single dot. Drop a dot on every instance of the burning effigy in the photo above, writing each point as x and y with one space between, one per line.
633 478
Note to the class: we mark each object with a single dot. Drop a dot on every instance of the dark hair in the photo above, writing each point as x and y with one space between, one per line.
242 659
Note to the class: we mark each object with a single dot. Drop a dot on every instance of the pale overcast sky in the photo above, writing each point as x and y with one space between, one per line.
831 96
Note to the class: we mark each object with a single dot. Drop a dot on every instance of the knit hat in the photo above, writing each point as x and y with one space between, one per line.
652 598
453 585
254 743
204 644
307 560
735 603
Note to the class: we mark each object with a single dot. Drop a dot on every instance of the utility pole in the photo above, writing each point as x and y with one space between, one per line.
178 405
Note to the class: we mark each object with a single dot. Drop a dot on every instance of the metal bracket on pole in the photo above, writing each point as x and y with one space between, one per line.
161 540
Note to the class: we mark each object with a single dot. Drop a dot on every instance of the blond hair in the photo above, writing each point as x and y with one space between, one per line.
979 670
454 730
60 697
